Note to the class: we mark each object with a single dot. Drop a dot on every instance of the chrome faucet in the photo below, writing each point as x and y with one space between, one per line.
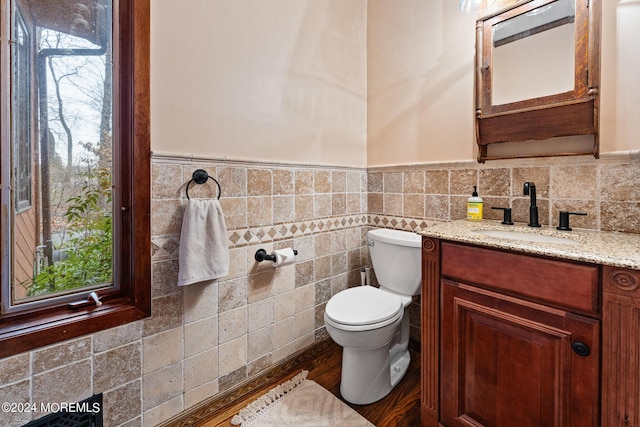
530 189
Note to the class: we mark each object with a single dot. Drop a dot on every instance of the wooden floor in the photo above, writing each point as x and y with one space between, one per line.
401 408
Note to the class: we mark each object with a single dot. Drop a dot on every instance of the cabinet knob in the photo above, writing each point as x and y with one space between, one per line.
581 348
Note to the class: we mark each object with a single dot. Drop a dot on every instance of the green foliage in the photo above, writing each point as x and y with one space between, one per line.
89 249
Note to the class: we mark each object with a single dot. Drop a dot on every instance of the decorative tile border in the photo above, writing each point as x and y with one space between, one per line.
166 246
399 223
272 233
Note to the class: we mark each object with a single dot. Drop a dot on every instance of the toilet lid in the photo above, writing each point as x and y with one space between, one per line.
363 305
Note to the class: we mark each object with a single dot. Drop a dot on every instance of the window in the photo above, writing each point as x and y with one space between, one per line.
21 126
74 128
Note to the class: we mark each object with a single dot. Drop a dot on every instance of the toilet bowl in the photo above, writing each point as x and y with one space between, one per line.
371 324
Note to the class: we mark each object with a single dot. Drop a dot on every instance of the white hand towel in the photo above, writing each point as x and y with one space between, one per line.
204 247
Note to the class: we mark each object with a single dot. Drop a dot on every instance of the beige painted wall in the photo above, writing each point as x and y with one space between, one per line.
420 80
277 80
346 83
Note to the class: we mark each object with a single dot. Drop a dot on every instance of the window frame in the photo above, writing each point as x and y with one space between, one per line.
130 299
22 159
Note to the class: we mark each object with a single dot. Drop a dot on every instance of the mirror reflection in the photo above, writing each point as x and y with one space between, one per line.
534 53
61 113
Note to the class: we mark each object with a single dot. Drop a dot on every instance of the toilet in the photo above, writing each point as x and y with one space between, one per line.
372 324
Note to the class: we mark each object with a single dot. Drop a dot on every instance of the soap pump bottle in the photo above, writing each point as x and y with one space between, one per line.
474 206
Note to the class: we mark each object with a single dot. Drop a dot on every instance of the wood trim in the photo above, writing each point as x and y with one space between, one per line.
28 330
540 123
141 166
430 338
620 347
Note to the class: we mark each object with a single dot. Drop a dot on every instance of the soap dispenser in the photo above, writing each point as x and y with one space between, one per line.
474 206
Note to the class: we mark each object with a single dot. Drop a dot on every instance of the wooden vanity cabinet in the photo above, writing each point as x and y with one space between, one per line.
507 362
516 339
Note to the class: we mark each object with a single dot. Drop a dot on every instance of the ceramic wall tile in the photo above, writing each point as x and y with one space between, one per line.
322 181
15 368
437 181
69 383
61 354
116 337
200 336
122 404
283 181
166 313
232 324
232 355
116 367
304 182
620 182
162 385
259 182
413 181
260 343
16 392
338 181
200 369
260 314
540 176
574 182
160 350
494 182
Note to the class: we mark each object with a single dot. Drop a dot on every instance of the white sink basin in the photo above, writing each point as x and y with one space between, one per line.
527 237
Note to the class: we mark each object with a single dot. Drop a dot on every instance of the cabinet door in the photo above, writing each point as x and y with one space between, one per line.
507 362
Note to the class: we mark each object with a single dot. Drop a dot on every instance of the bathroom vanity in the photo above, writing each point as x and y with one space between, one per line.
529 327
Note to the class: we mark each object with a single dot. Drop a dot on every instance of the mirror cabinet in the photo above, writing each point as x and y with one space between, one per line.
537 75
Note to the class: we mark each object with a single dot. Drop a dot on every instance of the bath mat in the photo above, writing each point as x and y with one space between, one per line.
299 402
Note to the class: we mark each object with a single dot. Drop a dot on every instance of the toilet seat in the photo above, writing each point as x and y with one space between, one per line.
363 308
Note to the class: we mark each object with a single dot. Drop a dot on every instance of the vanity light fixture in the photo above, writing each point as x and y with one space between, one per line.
475 7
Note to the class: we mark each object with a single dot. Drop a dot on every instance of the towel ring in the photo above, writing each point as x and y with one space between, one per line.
200 176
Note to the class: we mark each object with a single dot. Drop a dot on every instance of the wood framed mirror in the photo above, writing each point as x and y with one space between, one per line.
537 76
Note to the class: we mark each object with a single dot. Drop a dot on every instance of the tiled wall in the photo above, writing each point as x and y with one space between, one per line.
204 338
221 333
607 189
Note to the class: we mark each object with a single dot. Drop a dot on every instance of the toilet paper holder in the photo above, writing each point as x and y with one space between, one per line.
262 255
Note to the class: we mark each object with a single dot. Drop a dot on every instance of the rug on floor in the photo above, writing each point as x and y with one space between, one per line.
299 402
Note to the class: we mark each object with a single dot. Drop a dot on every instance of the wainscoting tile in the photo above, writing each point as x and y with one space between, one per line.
116 367
116 337
163 349
200 336
15 368
200 369
161 386
61 354
122 404
70 383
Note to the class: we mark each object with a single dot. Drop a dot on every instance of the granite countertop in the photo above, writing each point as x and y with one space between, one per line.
599 247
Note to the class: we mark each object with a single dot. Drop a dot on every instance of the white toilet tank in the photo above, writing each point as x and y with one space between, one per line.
396 257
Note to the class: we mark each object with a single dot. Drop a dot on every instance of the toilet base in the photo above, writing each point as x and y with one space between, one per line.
369 375
399 368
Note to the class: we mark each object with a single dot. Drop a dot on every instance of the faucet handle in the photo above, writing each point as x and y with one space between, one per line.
506 220
563 222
